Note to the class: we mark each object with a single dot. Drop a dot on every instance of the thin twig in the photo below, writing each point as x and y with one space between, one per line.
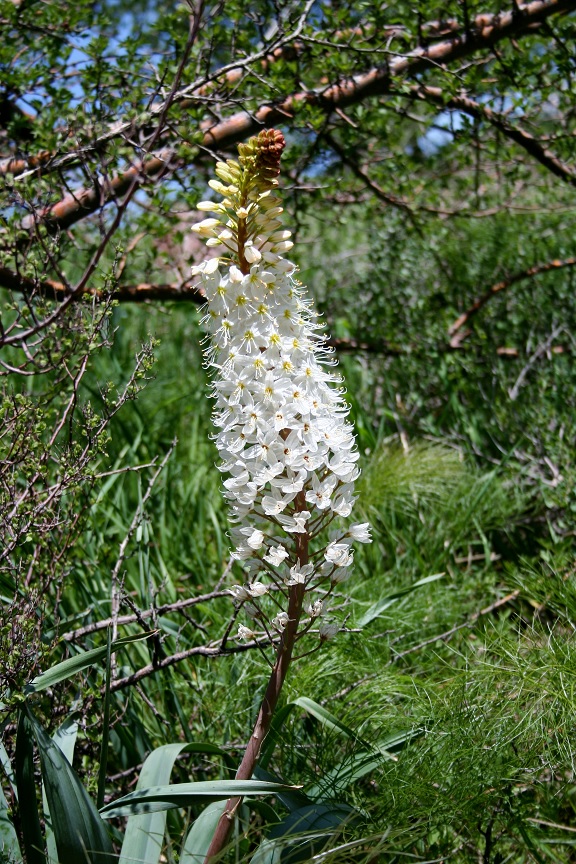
540 350
115 582
122 620
441 636
448 633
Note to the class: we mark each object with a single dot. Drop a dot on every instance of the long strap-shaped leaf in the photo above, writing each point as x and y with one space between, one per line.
200 835
145 832
80 834
9 848
65 739
70 667
186 794
34 848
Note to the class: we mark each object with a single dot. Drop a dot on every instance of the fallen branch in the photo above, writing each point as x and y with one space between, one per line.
215 650
121 620
443 637
542 349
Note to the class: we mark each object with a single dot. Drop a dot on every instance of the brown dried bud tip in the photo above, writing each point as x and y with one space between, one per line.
260 156
270 144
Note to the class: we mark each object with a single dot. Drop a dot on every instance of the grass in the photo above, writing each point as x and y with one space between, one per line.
475 669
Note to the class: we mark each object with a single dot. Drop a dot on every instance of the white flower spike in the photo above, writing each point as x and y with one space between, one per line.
286 447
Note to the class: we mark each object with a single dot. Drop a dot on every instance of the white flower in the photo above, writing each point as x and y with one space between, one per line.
343 500
242 553
321 491
276 555
295 524
273 504
239 593
206 227
315 609
360 532
280 621
299 573
338 554
328 629
255 540
251 254
257 589
245 632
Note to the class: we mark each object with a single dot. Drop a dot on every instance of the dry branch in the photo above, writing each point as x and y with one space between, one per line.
122 620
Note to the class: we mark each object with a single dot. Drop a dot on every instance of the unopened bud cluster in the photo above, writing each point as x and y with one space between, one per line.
289 454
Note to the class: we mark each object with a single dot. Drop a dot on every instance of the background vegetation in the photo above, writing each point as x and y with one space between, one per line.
429 178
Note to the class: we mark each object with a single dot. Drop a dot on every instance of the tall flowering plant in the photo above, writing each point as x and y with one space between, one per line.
288 452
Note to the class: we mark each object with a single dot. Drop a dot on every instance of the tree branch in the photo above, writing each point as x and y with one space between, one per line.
165 662
529 273
122 620
486 31
519 136
140 293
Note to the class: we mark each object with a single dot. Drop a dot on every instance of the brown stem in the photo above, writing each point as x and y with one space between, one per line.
242 237
270 700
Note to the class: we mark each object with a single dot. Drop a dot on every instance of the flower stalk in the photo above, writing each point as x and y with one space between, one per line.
288 452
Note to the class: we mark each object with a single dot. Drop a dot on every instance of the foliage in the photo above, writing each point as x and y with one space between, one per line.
429 180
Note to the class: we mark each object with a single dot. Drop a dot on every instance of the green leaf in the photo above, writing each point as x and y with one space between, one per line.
185 794
200 835
9 848
308 828
7 766
378 608
34 849
328 719
292 797
144 834
81 835
70 667
263 809
65 739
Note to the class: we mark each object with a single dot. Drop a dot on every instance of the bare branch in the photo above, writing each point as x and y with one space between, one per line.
515 133
215 650
139 293
443 637
122 620
542 349
529 273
